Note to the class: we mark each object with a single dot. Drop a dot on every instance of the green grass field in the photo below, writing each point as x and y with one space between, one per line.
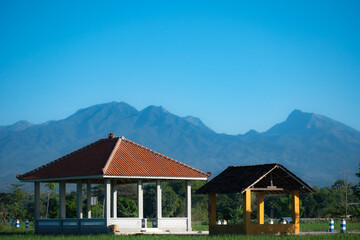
314 226
11 233
175 237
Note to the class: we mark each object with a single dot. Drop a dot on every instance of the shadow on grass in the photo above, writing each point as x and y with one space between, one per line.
11 231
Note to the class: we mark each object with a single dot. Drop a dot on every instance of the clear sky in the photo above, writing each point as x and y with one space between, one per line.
237 65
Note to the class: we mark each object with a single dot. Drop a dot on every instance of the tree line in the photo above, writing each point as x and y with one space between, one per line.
338 200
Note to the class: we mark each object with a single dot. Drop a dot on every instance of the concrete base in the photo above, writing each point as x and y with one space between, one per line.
159 232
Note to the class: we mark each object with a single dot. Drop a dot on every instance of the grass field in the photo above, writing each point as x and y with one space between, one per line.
313 226
177 237
11 233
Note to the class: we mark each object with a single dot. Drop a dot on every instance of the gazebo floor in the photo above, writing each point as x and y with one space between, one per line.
155 231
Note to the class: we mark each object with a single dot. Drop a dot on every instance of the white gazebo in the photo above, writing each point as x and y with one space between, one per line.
111 161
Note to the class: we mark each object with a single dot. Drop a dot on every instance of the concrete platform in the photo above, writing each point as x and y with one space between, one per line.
155 231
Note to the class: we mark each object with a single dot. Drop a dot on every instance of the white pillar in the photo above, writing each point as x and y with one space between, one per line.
62 199
188 204
36 204
89 200
79 209
140 199
107 201
36 200
158 199
114 199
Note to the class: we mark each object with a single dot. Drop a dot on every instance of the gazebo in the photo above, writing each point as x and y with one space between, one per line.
262 179
111 161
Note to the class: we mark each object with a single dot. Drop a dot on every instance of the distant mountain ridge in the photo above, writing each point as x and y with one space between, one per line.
315 147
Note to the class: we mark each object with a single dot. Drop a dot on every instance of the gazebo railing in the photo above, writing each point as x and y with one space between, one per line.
128 224
172 224
71 225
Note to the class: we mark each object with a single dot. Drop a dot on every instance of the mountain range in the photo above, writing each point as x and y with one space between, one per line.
316 148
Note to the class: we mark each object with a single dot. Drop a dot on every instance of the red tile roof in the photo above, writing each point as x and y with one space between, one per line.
114 157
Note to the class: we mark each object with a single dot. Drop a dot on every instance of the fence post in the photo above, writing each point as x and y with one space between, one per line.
331 225
343 225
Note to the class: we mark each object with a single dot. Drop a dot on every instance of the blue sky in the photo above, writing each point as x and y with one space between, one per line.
236 65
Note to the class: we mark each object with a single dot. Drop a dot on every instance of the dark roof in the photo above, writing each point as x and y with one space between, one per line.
114 156
236 179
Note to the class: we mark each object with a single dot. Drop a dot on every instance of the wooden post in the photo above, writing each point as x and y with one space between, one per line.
212 209
295 207
89 199
188 204
260 207
247 210
79 209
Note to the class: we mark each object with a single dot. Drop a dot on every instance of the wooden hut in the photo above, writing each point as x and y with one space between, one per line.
262 179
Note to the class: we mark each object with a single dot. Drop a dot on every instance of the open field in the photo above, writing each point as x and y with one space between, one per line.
11 233
175 237
308 226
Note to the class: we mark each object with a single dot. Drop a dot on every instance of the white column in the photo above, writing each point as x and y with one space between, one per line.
107 201
62 199
158 199
89 199
36 200
188 204
36 204
140 199
79 209
114 199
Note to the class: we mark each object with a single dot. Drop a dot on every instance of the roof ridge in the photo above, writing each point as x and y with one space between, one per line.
108 161
255 165
166 157
61 158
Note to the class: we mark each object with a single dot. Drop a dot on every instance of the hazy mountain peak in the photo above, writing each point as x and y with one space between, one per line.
104 110
296 121
155 109
196 121
299 122
18 126
251 132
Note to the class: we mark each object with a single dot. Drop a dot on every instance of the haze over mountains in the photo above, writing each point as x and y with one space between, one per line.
314 147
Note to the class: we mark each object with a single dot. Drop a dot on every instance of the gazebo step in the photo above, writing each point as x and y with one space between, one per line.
153 230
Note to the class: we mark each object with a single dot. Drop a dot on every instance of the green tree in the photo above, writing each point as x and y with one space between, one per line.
356 188
149 201
51 187
126 207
